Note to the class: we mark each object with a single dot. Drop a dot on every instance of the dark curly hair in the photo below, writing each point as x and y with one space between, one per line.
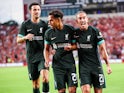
34 3
56 13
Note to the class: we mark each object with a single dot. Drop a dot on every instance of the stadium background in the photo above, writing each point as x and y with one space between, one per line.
107 15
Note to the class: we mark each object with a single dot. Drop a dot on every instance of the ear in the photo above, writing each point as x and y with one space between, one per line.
59 24
76 21
87 18
30 11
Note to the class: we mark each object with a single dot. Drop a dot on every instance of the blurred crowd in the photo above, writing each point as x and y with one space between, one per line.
113 32
10 51
112 29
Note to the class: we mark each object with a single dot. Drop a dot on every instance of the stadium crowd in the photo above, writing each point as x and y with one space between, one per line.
112 29
10 51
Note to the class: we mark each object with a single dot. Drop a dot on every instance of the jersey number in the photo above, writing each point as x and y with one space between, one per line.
101 79
74 77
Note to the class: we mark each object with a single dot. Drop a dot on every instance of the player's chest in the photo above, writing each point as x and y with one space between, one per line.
59 36
86 37
35 29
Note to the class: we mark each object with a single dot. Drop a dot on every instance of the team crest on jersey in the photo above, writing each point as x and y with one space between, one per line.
100 34
88 37
41 30
66 36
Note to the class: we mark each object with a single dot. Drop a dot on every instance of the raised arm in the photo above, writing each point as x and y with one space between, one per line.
21 39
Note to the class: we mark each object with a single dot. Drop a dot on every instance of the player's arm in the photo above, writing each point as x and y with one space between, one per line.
21 39
70 47
104 53
21 34
73 46
47 54
102 47
72 41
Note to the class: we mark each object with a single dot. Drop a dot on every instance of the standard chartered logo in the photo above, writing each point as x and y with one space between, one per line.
85 46
37 38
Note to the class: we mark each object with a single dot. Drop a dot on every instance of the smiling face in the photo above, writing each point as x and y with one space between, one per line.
35 11
55 23
52 21
82 20
55 19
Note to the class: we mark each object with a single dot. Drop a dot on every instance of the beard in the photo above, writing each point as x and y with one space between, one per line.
83 26
83 23
37 17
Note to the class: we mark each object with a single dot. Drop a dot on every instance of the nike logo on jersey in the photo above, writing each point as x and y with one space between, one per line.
53 38
28 30
75 36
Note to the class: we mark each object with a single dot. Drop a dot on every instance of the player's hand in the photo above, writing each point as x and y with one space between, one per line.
47 64
29 37
109 70
53 51
68 48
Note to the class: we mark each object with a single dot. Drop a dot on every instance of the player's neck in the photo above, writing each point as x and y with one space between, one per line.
35 20
84 28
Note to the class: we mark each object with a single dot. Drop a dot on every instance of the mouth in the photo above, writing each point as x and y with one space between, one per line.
83 23
37 14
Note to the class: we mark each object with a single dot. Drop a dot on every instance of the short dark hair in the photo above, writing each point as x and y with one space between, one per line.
56 13
80 12
34 3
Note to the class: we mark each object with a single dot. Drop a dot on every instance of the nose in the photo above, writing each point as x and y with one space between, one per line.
82 19
37 10
49 24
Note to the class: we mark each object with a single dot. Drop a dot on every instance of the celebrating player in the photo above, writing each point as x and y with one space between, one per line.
32 31
60 37
90 69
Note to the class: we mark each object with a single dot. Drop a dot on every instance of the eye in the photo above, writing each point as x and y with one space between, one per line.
80 18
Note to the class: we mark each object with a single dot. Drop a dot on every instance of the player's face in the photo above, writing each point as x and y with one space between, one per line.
82 21
52 21
35 11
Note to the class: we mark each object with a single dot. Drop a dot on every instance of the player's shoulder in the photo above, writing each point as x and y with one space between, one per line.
69 26
77 29
26 22
49 30
93 28
43 21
